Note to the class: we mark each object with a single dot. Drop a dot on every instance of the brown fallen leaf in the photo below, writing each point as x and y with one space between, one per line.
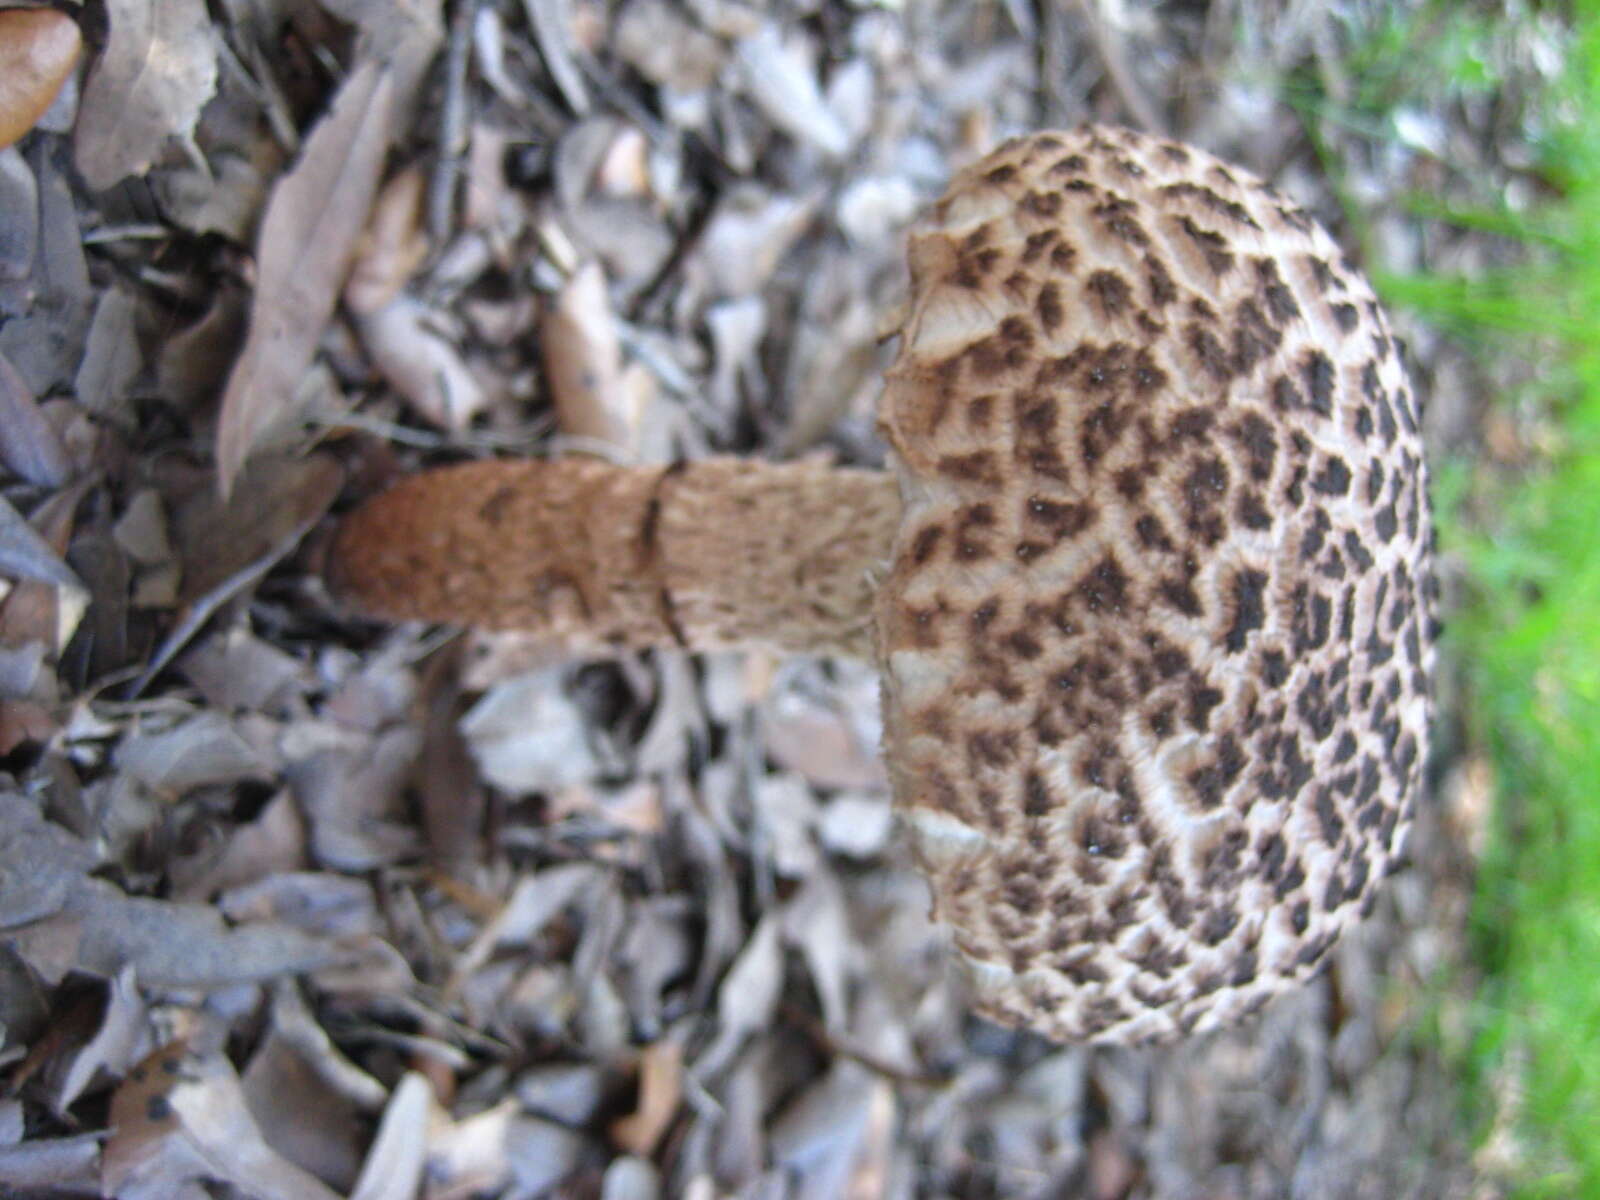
274 503
393 246
227 546
24 722
156 73
660 1093
308 239
38 49
583 359
193 362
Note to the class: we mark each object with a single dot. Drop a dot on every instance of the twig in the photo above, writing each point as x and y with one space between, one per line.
452 124
828 1043
1122 81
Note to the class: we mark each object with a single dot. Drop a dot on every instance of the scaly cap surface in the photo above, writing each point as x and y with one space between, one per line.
1155 636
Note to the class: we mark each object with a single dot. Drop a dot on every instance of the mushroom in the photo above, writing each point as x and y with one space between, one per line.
1148 580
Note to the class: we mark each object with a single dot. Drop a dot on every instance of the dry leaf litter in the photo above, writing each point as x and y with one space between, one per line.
293 905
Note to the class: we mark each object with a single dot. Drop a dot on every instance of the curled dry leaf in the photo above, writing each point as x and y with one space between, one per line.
402 34
180 1118
583 359
393 246
274 841
399 1151
38 49
174 758
25 554
747 997
156 73
783 84
121 1039
308 238
660 1093
422 364
48 609
299 1114
527 735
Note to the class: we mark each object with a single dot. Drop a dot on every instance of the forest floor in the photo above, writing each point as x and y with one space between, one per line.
288 895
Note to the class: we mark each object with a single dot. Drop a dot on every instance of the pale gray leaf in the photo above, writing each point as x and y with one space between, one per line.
120 1041
26 555
541 1154
11 1123
630 1178
399 1151
205 749
186 945
308 237
67 1164
111 356
158 69
29 445
41 864
19 217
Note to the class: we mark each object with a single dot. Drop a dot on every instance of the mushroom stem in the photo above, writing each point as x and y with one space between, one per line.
713 553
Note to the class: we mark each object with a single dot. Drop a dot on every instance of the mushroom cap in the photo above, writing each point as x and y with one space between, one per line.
1156 633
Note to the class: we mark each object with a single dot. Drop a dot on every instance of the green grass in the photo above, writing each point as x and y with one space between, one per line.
1527 637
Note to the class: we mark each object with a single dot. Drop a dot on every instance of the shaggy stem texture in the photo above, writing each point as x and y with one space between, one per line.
702 555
